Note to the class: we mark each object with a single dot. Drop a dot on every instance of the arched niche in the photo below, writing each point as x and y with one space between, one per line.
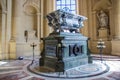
32 13
96 6
104 5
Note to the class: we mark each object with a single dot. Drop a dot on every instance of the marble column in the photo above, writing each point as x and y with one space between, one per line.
49 6
3 35
117 18
3 30
83 10
41 17
38 26
116 39
11 37
94 23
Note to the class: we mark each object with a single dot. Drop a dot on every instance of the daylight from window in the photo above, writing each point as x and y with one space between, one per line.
67 5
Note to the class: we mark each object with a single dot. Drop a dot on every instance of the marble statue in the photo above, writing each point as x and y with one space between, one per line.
103 30
102 19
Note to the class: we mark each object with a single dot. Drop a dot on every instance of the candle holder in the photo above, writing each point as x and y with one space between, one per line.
33 45
101 46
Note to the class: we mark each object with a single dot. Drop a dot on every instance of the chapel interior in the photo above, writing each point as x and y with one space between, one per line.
23 22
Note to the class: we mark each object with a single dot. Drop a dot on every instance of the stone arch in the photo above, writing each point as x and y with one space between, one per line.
102 4
31 9
32 5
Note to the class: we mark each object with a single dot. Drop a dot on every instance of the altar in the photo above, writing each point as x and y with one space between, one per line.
65 47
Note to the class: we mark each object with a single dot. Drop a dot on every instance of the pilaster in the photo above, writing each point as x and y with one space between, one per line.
83 10
38 26
116 39
3 36
49 6
3 30
116 13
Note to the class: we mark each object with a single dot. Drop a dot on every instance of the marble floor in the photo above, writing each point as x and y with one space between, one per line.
19 70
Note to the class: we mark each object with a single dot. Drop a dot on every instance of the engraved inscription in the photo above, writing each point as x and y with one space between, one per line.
75 49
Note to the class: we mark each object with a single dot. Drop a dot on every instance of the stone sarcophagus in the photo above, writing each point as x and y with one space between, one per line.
65 47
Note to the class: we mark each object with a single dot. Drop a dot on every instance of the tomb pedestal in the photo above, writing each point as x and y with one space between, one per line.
65 47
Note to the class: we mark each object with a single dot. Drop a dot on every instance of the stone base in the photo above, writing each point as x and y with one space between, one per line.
77 73
115 47
12 50
103 33
73 54
94 49
68 63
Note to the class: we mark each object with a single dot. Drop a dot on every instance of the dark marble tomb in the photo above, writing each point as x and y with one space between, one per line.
65 47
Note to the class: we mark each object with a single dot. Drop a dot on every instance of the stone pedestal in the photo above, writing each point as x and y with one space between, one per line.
65 47
74 52
103 33
12 49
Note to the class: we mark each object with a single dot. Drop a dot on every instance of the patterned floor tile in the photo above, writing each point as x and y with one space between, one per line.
13 75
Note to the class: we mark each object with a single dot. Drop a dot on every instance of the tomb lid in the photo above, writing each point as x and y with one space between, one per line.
61 20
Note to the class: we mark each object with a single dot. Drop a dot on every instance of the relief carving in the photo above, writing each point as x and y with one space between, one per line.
30 36
103 25
31 7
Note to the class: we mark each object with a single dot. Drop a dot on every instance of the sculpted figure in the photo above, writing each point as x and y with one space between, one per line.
103 19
